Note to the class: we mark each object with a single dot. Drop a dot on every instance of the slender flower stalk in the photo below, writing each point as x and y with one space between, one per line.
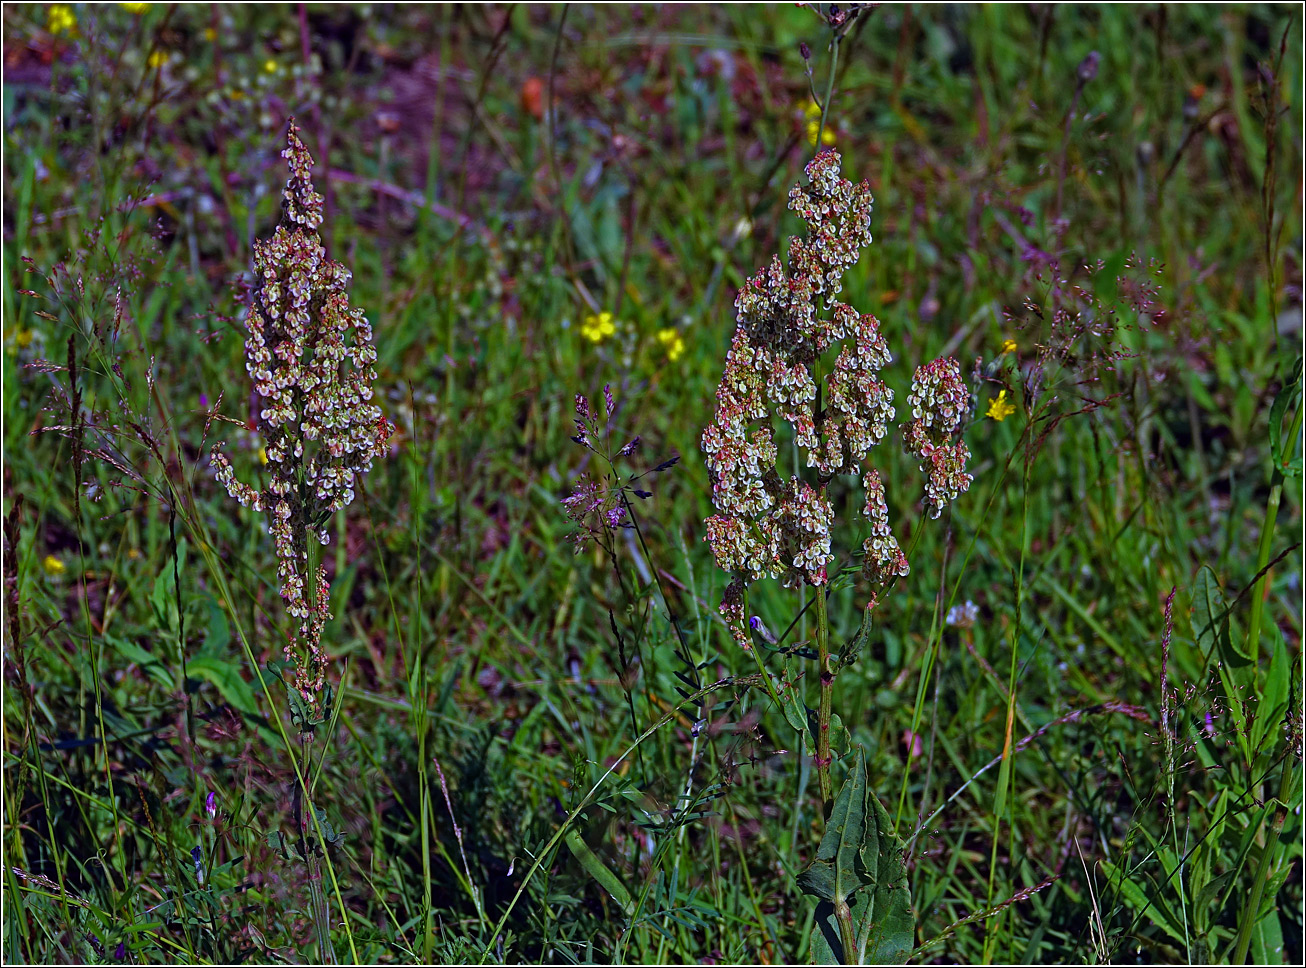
312 362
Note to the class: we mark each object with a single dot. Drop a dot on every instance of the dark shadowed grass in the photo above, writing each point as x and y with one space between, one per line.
496 176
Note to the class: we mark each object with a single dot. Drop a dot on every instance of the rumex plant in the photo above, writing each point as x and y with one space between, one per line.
311 358
790 322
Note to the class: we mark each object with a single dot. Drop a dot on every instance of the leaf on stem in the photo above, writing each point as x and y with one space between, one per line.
858 876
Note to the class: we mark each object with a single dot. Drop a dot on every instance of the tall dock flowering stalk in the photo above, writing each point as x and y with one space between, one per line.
311 359
312 362
789 323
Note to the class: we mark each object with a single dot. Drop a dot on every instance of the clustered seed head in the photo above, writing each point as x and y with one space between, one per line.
884 558
938 401
788 316
313 365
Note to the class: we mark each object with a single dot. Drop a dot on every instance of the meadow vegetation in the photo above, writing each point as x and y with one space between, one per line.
1025 691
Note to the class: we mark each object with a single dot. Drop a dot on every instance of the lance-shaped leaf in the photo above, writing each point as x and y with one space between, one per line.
1284 461
859 878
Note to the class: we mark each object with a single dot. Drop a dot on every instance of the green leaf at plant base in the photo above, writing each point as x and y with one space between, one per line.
859 870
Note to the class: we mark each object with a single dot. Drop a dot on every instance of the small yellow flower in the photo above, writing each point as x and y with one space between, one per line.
136 8
262 455
270 66
23 338
133 553
210 34
813 112
598 328
61 20
53 566
1000 408
1008 346
671 339
158 59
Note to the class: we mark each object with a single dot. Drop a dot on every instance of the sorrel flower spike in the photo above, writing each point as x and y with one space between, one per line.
312 362
788 317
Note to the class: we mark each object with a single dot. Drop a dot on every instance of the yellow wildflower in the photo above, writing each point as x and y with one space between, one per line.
137 8
210 34
262 455
598 328
1008 346
158 59
270 66
23 338
53 566
813 112
673 343
1000 408
61 20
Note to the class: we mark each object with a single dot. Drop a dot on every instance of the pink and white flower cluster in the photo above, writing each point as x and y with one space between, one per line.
788 318
938 401
312 362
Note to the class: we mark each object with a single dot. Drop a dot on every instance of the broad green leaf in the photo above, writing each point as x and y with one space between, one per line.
1267 939
163 600
798 714
859 864
219 636
1209 892
224 674
837 870
149 663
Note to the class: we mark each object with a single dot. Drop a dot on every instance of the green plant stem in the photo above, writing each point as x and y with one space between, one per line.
847 933
1252 649
1001 804
825 708
829 89
318 907
824 711
1251 912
